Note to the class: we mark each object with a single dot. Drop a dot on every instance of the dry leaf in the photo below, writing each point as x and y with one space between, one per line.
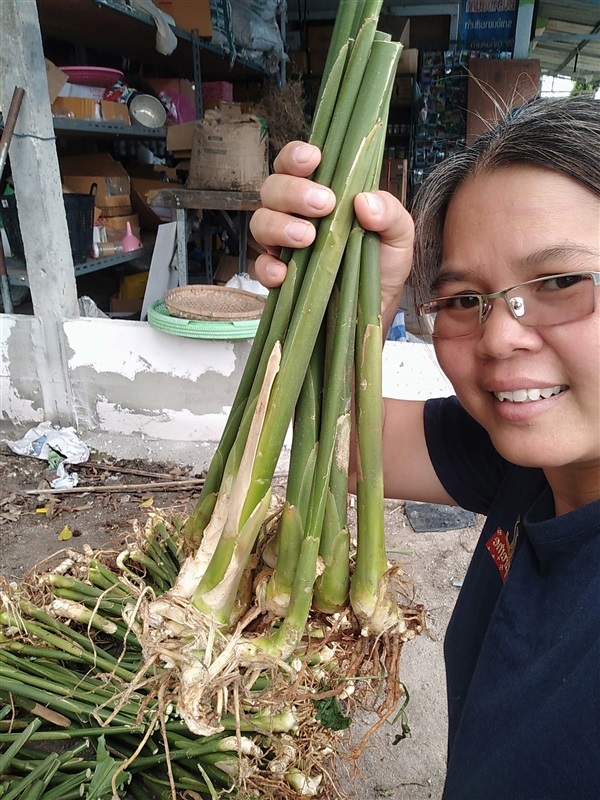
65 534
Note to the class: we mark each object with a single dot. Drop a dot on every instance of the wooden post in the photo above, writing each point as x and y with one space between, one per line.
38 190
34 164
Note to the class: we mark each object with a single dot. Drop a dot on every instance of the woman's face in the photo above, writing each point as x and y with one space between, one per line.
502 228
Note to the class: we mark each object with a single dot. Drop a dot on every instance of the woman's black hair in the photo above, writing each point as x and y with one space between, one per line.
561 134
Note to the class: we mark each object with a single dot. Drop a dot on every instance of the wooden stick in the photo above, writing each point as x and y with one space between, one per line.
126 487
124 470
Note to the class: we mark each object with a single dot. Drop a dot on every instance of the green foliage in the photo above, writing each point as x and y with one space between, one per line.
330 714
582 86
100 785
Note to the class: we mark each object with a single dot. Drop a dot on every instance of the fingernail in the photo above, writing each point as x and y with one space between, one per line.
374 203
276 271
317 197
296 229
303 154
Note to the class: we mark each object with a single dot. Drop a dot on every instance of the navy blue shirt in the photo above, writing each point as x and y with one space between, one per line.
522 649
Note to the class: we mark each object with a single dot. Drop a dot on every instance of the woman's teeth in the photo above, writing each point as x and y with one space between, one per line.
525 395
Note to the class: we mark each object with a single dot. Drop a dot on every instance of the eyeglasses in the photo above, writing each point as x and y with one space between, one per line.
553 300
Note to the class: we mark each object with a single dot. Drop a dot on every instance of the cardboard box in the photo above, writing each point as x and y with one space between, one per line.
82 90
115 112
181 137
79 173
179 92
122 306
394 174
229 152
402 90
116 227
409 62
191 15
56 79
298 62
76 108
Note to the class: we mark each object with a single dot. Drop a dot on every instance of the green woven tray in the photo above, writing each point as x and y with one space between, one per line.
159 318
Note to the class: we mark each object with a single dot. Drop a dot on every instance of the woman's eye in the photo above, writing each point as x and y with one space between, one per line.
561 282
462 302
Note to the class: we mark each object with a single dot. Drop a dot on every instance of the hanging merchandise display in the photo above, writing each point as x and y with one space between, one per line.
440 125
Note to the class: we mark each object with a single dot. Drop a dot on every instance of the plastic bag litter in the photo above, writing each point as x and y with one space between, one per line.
64 479
39 441
248 284
88 308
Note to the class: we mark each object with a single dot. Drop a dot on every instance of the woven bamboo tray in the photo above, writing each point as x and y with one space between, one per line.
213 303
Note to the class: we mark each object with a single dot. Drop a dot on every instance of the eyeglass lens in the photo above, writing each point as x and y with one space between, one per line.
548 301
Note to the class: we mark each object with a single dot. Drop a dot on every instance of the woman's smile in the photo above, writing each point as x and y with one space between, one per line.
529 395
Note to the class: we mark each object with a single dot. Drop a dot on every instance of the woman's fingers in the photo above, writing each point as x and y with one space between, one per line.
270 271
289 200
297 158
296 195
382 212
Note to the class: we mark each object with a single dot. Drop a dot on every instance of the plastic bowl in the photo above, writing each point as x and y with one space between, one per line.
147 111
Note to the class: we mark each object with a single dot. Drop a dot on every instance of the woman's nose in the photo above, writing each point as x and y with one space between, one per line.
500 333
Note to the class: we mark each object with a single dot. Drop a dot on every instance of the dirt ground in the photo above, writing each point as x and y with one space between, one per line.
435 562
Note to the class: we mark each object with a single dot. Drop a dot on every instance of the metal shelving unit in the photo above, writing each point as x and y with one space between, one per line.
17 273
116 29
83 127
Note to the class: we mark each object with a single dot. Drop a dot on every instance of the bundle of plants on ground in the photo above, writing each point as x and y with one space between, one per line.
224 655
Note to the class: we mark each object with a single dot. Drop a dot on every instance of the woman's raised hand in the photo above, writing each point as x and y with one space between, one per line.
290 199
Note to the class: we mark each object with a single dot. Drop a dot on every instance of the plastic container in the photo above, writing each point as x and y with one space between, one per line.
133 287
103 249
160 319
79 209
130 242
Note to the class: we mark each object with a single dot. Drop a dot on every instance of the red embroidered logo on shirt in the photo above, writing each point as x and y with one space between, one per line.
501 547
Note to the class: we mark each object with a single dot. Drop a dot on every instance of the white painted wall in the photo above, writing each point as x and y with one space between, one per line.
125 379
129 383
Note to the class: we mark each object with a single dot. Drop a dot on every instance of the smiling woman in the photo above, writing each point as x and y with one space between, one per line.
511 353
520 442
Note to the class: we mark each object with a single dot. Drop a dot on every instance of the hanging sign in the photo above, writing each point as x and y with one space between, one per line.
488 24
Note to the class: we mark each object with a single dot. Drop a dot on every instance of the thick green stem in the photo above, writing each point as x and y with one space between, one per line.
205 504
290 631
349 89
276 315
307 420
332 585
326 256
374 605
217 591
348 17
20 741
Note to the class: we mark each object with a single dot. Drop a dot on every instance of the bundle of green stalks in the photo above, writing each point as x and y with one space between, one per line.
212 658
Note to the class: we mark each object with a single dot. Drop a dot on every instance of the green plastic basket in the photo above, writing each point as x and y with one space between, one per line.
159 318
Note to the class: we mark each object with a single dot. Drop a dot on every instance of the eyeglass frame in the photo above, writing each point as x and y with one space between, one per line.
485 307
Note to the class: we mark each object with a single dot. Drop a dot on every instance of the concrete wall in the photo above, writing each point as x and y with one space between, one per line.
122 379
126 382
